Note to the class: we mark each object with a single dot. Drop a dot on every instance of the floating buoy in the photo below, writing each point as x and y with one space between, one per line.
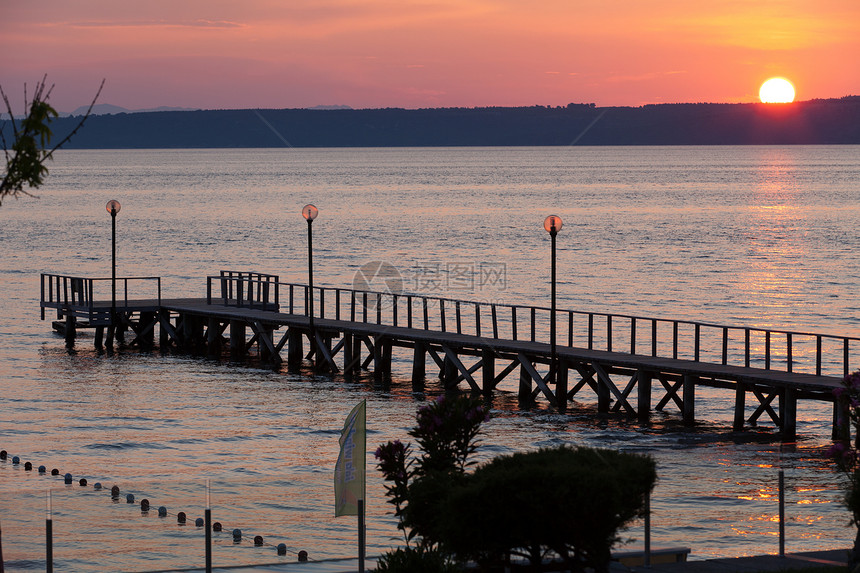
3 454
42 469
28 466
16 460
303 555
144 504
97 486
68 478
199 522
282 548
216 526
258 540
162 511
114 491
83 481
129 498
237 535
180 517
55 472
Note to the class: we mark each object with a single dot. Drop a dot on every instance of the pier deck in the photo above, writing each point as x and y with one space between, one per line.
359 330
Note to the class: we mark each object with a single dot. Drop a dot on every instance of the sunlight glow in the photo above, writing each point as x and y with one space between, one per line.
776 90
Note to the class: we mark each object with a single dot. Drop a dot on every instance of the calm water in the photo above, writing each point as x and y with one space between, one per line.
760 236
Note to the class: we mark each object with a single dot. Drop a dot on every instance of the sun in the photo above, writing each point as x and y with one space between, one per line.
776 90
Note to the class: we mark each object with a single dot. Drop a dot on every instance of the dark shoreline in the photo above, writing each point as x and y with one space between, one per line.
815 122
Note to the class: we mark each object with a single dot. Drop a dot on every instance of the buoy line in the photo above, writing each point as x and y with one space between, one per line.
145 506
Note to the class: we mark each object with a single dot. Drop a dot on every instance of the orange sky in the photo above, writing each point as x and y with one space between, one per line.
426 53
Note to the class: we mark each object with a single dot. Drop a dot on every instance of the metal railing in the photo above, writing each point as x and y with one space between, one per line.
749 346
77 295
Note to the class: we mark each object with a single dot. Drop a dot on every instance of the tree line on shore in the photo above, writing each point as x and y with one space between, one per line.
832 121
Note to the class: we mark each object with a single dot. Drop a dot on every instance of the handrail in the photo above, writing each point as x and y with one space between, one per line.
748 346
241 288
78 293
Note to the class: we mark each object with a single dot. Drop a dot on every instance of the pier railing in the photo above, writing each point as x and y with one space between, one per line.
248 289
750 346
78 295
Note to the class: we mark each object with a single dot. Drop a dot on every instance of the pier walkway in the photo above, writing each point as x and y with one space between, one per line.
473 343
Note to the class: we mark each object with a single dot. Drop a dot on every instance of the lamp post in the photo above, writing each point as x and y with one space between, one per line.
113 208
553 224
310 212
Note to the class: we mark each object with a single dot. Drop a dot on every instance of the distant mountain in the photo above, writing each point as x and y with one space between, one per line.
832 121
108 109
330 107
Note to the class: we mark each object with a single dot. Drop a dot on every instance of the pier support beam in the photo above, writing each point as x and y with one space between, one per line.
740 399
146 338
237 338
788 413
561 384
347 355
644 395
488 371
71 330
689 400
381 358
842 420
603 397
165 330
525 390
419 366
213 337
295 352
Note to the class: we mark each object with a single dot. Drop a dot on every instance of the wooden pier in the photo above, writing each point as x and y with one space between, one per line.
473 343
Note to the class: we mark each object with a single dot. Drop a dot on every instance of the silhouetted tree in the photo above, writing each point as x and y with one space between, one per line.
31 139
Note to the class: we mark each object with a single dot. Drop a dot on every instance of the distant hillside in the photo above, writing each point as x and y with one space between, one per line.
106 108
833 121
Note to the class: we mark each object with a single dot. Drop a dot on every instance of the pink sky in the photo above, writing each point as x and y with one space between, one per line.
426 53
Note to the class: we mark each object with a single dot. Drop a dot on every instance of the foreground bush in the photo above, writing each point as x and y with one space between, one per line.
561 502
571 502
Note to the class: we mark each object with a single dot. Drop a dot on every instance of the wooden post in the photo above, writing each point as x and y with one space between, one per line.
377 359
71 322
419 366
99 337
525 392
237 338
488 371
603 396
295 353
265 353
841 419
213 337
347 355
163 333
356 353
644 394
147 322
740 398
449 372
561 384
689 399
386 356
788 413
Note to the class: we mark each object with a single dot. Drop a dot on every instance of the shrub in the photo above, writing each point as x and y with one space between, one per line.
568 501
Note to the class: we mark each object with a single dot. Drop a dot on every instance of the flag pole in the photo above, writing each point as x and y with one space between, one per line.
361 536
